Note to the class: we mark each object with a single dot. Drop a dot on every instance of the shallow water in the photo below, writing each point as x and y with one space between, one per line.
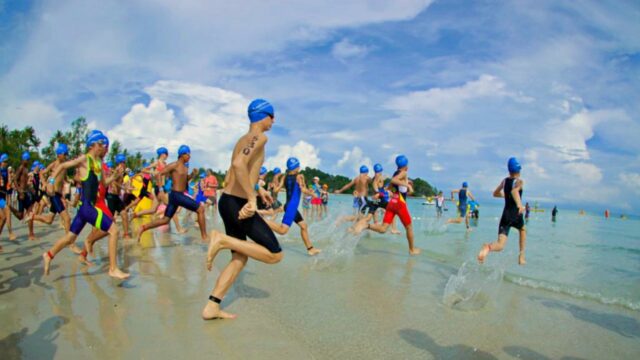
363 297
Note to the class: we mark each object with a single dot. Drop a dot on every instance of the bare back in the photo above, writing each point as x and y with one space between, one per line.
362 184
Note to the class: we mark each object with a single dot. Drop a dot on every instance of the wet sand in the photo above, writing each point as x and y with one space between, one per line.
378 303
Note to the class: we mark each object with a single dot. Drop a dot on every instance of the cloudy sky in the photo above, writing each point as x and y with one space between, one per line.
457 86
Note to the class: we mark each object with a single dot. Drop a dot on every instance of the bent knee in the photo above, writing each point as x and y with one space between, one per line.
276 257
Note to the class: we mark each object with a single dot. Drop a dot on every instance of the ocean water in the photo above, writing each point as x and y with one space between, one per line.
583 256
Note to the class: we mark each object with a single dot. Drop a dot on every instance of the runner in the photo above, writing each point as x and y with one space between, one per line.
179 179
400 186
238 207
54 191
25 193
114 201
294 184
5 195
90 172
463 195
511 190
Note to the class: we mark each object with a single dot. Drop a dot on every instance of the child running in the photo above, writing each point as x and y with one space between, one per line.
400 186
179 180
90 172
511 190
295 186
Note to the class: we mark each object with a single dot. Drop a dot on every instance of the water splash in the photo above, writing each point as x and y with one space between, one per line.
473 287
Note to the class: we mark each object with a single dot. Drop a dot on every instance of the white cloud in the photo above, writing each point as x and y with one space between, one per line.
345 49
444 103
436 167
345 135
214 119
353 159
631 180
42 115
307 154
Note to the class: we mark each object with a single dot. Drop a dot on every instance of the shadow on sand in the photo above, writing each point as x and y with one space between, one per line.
522 352
623 325
39 344
423 341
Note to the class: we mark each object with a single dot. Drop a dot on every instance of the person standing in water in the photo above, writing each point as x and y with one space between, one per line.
179 180
511 190
238 206
554 212
463 195
294 183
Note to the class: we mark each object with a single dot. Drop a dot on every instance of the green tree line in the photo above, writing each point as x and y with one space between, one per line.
15 142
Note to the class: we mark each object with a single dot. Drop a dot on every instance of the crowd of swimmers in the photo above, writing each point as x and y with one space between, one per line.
248 205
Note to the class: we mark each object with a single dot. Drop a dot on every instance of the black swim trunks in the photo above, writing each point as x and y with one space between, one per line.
254 227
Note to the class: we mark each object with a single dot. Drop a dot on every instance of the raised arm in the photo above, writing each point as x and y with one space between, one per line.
350 184
453 192
69 165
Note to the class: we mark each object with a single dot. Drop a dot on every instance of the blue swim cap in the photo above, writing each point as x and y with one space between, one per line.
162 150
131 173
4 157
62 149
514 165
293 163
263 170
96 136
120 158
202 175
401 161
377 168
186 164
259 109
184 149
465 184
364 169
276 171
26 156
110 164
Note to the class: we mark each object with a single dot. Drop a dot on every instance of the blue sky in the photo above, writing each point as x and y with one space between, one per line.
457 86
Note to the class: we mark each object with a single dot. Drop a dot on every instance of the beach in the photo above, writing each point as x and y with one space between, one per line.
364 297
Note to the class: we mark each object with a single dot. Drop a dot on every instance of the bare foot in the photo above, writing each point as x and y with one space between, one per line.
415 251
127 236
483 253
89 246
118 274
360 225
521 260
212 312
215 245
395 232
83 259
12 237
313 251
32 236
46 261
75 249
181 231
